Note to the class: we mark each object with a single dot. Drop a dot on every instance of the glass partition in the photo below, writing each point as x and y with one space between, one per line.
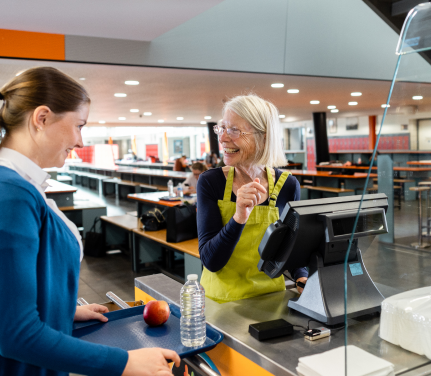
390 268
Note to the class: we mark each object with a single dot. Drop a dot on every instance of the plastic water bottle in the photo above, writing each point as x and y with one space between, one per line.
180 192
171 188
192 301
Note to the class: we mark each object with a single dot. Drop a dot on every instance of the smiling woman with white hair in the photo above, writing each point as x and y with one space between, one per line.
237 203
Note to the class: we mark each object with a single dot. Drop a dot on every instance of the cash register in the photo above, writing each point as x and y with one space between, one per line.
316 233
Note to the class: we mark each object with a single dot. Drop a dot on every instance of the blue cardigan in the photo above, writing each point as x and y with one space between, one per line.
39 272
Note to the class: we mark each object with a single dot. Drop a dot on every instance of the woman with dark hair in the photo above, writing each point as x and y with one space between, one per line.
42 115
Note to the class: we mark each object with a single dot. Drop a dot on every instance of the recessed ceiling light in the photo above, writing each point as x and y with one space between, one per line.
120 95
418 97
281 116
102 121
353 103
277 85
386 105
207 117
160 121
180 118
356 94
147 113
331 107
293 91
335 111
121 118
314 102
82 78
131 82
134 110
203 122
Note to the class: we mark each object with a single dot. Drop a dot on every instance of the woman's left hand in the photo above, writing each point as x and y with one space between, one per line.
91 312
304 281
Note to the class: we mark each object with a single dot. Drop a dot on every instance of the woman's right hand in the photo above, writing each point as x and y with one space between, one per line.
148 362
247 197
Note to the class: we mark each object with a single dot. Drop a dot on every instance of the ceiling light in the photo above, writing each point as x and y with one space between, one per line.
353 103
293 91
277 85
121 118
134 110
281 116
418 97
120 95
386 105
314 102
147 113
160 121
331 107
207 117
356 94
203 122
335 111
82 78
131 82
102 121
180 118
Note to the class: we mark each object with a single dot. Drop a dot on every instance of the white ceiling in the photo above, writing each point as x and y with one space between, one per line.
170 93
141 20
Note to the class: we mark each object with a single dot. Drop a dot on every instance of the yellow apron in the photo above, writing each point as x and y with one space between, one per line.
240 278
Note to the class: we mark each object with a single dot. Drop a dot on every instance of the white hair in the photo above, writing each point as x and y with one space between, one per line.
263 117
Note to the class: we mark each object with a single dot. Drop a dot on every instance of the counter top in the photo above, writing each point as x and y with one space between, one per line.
280 356
327 174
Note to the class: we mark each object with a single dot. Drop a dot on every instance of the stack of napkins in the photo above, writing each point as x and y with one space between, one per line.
331 363
406 320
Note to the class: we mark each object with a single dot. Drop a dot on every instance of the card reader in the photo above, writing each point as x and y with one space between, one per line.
317 333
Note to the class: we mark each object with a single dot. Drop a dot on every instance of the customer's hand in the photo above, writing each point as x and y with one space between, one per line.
247 197
149 362
304 281
91 312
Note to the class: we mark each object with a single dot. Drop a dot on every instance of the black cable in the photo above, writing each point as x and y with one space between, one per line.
300 326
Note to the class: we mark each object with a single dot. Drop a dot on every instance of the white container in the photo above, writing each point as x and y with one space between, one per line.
192 303
171 188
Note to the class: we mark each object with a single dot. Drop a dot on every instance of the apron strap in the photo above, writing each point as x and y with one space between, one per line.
270 180
229 185
274 195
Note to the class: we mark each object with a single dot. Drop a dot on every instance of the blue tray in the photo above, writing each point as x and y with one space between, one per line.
127 330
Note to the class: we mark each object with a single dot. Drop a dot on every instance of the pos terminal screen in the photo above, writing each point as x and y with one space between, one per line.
366 223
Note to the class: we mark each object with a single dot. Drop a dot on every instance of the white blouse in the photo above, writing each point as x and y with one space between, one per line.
31 172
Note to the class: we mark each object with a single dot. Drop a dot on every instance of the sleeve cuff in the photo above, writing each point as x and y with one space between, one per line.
116 361
299 273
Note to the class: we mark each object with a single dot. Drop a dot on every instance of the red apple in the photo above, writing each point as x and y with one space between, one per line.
156 312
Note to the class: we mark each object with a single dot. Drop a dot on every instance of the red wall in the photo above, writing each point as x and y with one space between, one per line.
389 142
152 149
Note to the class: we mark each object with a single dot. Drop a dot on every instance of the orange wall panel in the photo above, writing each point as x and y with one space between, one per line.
30 45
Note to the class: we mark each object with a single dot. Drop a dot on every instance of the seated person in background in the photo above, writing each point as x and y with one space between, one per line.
192 181
211 159
180 164
348 163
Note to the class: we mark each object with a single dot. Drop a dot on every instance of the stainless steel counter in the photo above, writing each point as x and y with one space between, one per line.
280 356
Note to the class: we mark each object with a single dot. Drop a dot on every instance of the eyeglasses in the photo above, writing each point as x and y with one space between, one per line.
233 133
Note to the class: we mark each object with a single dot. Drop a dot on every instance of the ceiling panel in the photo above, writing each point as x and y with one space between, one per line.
191 94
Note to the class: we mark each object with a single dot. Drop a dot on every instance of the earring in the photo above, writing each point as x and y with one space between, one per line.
37 129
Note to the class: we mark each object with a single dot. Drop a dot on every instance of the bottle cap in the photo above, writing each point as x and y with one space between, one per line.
192 277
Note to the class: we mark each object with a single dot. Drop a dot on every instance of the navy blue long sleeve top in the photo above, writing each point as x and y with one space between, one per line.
217 242
39 271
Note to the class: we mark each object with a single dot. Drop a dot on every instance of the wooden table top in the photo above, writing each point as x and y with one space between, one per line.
126 221
348 167
190 247
327 174
58 187
396 168
420 163
153 198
